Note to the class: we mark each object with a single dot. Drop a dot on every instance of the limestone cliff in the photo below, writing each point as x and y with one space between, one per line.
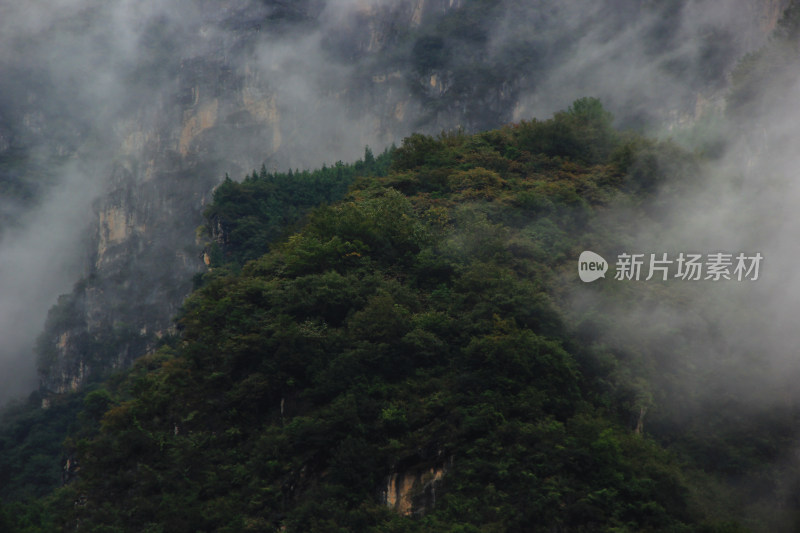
224 111
413 492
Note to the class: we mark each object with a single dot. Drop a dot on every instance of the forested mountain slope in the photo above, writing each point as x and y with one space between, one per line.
401 363
418 353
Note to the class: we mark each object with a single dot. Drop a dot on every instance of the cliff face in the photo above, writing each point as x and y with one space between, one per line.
226 111
768 13
413 493
142 252
296 84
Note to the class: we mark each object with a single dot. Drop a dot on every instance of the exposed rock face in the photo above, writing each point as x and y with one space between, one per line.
221 112
142 253
287 84
768 12
413 492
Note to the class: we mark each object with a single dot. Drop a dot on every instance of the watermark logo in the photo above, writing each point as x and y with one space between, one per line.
591 266
716 266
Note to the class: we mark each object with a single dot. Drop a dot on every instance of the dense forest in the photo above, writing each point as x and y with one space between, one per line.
404 359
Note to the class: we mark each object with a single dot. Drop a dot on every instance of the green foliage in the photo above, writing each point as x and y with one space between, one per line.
408 330
583 133
419 150
247 216
31 453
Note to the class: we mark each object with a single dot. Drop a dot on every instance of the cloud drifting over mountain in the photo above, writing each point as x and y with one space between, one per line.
77 77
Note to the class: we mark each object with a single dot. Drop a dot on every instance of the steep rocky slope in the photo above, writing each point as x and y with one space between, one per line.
224 87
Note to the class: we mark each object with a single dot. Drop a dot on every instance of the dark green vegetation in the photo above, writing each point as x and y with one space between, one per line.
242 221
411 345
246 217
30 463
411 331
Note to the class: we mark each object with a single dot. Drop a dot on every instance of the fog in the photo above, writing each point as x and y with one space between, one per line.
39 261
80 77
